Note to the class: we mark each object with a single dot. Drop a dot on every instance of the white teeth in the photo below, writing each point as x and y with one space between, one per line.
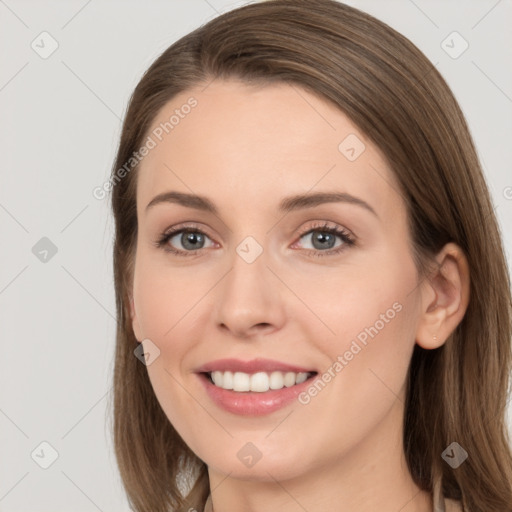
217 378
259 382
276 380
227 380
301 377
241 381
289 379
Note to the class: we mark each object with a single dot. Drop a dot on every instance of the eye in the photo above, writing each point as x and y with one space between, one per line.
191 240
323 239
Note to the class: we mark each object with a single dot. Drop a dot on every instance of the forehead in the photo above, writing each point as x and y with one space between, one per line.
241 141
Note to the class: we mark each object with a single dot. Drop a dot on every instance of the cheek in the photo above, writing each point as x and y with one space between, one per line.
167 298
366 360
172 308
365 321
165 301
352 299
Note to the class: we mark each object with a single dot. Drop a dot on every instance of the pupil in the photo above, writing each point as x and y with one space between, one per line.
323 238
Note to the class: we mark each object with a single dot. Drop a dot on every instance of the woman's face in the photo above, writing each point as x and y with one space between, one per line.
260 275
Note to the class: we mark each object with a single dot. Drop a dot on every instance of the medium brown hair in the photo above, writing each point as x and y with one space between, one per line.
395 96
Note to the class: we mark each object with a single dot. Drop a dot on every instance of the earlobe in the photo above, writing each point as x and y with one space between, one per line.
445 297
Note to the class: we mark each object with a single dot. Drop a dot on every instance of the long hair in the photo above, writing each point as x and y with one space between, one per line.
395 96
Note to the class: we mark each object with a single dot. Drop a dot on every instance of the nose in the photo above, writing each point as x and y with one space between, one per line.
249 299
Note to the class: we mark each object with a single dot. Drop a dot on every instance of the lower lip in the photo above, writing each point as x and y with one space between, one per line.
251 403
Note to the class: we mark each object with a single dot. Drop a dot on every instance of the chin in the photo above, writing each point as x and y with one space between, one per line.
263 469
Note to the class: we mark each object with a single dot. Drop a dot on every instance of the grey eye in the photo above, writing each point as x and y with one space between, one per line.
322 239
190 240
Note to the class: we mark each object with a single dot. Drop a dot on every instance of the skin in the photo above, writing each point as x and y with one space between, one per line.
246 148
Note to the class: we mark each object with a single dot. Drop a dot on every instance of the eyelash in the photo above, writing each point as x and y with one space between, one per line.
347 238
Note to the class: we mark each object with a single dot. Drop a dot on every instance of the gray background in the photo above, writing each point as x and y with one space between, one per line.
60 123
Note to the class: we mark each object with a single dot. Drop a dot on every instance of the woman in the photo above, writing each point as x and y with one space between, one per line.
314 307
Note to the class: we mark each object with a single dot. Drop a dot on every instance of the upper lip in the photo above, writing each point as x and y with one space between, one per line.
253 366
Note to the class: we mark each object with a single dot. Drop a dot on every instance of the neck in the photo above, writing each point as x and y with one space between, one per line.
370 476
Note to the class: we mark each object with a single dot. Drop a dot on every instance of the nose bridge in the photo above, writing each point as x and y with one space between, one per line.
247 282
249 294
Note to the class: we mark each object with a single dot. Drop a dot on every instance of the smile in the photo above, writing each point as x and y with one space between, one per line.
259 382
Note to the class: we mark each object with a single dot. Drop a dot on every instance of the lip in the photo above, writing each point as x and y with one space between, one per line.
250 367
252 403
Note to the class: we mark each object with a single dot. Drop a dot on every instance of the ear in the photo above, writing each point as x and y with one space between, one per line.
444 297
137 331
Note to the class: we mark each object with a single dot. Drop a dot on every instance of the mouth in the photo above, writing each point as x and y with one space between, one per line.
256 387
258 382
255 394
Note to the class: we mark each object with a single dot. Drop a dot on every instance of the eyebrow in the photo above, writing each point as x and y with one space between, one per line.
287 205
